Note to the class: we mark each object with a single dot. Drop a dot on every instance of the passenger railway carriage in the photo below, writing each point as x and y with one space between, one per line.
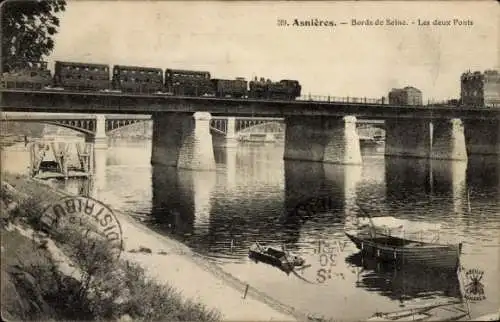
81 76
77 76
188 82
137 79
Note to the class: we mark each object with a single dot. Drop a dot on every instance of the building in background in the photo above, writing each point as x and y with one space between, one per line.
480 89
405 96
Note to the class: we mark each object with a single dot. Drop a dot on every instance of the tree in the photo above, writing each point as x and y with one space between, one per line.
27 29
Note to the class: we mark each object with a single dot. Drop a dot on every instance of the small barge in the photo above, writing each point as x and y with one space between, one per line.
275 257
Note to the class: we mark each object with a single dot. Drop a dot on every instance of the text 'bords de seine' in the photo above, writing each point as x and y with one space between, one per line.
418 22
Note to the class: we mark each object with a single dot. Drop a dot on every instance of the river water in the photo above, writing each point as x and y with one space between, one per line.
254 196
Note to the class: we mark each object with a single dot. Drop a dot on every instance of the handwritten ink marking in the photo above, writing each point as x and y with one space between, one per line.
323 275
326 252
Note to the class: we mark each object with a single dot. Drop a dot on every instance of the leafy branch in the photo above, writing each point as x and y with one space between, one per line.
28 28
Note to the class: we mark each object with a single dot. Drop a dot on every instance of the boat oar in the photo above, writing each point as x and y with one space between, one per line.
302 278
373 230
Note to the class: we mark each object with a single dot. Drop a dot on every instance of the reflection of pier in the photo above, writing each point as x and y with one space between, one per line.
404 283
242 167
484 172
449 181
407 179
181 200
423 181
314 189
99 178
228 158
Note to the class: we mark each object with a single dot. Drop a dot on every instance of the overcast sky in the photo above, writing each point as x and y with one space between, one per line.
243 39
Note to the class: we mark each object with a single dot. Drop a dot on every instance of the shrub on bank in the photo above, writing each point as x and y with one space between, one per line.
103 288
60 292
29 210
32 286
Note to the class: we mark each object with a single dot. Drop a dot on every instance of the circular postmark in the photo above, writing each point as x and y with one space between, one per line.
307 208
91 216
320 265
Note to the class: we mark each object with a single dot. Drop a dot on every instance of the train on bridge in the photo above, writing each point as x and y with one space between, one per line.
76 76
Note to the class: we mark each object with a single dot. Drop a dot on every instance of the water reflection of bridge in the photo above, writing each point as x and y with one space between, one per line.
423 182
321 193
235 206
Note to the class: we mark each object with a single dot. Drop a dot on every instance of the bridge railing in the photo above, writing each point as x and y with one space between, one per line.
340 99
441 102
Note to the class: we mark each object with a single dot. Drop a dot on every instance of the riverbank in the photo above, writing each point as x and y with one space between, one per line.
171 263
66 274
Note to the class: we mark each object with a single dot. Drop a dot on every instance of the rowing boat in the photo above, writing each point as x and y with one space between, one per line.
274 257
403 251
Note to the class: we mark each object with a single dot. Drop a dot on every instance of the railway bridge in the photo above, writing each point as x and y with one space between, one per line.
98 127
316 130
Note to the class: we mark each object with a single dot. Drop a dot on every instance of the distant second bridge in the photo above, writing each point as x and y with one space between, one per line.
227 130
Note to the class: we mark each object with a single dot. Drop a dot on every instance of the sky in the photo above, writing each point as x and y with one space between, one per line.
243 39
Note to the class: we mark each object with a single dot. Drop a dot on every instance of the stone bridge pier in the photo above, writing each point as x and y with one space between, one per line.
448 140
183 140
482 137
99 138
231 139
322 139
439 139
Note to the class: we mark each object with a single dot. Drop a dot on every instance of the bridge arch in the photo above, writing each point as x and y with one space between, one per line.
115 126
268 127
71 126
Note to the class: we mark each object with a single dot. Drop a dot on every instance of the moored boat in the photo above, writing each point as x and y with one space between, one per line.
402 241
400 250
275 257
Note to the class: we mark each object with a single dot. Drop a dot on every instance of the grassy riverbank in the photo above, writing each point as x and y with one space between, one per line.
65 275
152 268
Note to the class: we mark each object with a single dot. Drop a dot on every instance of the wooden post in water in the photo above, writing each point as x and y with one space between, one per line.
246 291
80 155
55 150
37 153
85 157
91 153
65 156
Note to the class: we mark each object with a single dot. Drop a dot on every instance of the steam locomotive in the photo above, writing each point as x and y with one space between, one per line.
142 80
